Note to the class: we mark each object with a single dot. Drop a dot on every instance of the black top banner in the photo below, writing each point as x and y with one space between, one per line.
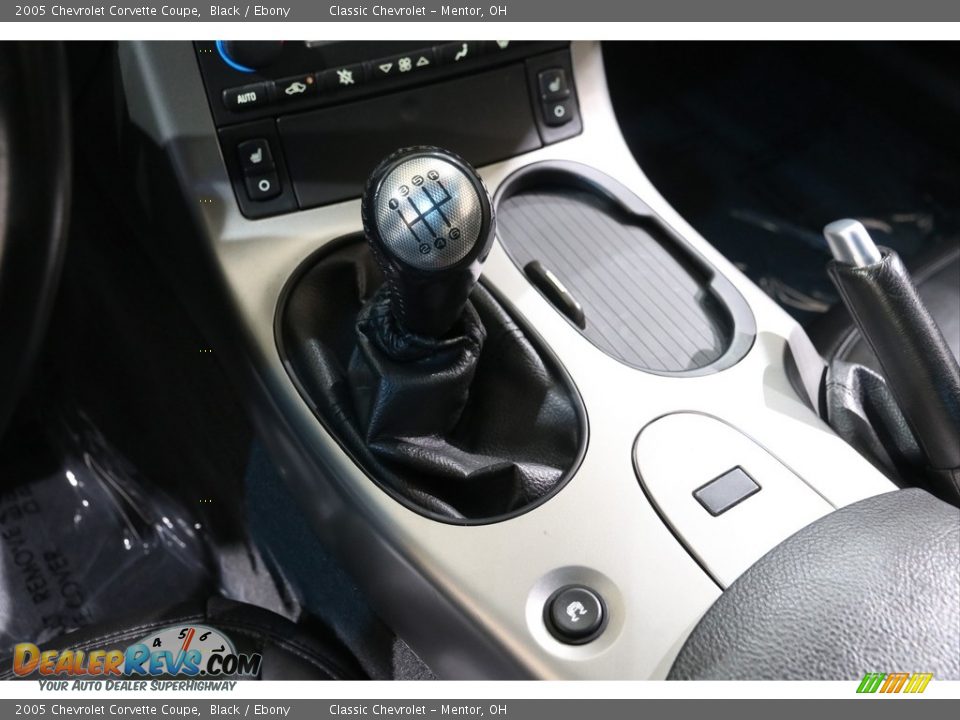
538 11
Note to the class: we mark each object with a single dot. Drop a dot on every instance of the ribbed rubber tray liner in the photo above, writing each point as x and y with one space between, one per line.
643 305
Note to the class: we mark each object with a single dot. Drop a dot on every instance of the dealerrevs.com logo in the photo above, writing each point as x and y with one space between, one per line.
900 682
190 651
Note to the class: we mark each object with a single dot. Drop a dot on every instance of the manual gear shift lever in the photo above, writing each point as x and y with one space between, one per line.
429 222
401 372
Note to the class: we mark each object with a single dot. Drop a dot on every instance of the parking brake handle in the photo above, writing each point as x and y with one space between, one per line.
920 370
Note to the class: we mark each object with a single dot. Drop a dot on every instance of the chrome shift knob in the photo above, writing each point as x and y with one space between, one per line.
429 222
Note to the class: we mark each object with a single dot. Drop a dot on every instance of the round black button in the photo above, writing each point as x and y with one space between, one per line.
575 614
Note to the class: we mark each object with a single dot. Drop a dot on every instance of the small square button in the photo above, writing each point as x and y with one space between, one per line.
246 97
553 84
455 52
295 88
263 186
558 112
255 155
342 78
722 493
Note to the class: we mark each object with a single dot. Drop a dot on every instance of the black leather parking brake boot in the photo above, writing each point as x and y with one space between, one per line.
920 371
417 370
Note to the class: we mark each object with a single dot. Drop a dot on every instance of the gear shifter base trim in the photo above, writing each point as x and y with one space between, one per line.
477 457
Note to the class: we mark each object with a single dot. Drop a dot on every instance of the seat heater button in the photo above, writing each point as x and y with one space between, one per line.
263 186
255 155
553 84
575 614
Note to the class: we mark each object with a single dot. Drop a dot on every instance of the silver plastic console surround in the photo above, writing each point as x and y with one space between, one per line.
478 586
680 452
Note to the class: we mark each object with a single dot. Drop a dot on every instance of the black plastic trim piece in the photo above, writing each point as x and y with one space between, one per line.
551 131
36 162
230 139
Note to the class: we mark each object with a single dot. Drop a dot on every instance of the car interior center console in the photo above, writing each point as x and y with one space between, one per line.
688 453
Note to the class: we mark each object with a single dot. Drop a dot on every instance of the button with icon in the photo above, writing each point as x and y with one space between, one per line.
255 161
343 78
456 52
294 88
383 68
405 64
558 112
262 186
575 614
255 155
553 84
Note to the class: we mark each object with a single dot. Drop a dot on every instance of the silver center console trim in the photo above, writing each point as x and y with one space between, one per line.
680 453
466 598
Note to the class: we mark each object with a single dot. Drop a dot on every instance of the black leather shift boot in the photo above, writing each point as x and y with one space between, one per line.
473 426
394 372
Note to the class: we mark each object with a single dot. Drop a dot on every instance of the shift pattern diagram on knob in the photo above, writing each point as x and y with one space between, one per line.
440 226
428 213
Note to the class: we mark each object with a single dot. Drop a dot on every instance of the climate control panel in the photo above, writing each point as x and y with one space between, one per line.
301 123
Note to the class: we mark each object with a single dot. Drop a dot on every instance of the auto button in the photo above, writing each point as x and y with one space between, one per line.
246 97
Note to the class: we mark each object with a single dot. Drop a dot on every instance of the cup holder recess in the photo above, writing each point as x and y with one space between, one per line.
627 281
